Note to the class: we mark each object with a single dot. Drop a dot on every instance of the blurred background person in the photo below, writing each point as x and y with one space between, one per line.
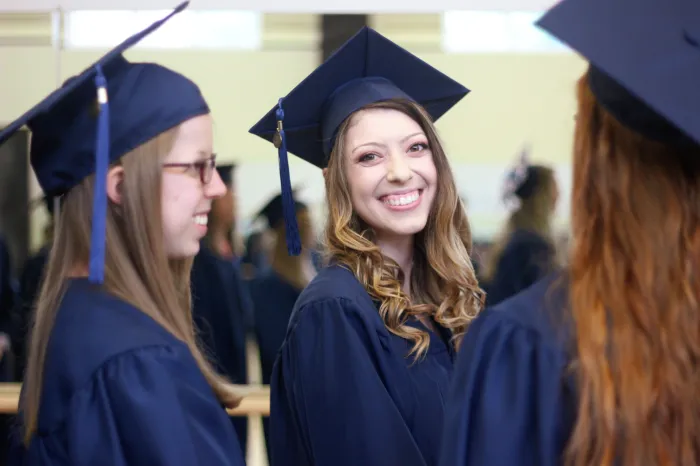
525 250
275 290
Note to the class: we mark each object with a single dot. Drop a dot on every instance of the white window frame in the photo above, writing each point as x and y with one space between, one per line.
496 31
191 29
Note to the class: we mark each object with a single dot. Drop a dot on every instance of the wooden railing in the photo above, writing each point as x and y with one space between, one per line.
256 401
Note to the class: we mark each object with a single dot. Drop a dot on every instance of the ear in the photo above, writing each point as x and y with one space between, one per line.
325 172
115 176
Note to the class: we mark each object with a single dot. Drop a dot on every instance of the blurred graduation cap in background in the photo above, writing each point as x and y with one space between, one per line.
70 141
368 68
226 173
273 211
644 60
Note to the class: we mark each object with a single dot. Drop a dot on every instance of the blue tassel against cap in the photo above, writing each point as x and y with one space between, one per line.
99 203
288 207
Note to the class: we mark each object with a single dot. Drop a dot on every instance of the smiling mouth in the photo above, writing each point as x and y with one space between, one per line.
401 200
201 219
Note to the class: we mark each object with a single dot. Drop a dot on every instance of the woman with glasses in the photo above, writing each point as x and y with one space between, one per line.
114 374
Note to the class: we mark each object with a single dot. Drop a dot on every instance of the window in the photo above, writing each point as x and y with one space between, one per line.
496 31
225 29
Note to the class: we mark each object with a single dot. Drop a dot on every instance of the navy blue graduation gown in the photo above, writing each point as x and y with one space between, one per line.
526 258
512 399
344 391
219 301
120 390
273 301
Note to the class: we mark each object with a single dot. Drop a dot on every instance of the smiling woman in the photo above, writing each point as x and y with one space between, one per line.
400 211
364 370
112 342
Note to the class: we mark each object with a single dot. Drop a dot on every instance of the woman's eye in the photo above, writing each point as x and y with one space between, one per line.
418 147
367 158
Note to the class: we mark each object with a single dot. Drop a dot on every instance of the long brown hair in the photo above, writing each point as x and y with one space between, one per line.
635 286
443 282
535 214
137 269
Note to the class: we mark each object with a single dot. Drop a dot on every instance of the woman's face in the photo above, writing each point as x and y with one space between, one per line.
390 170
186 199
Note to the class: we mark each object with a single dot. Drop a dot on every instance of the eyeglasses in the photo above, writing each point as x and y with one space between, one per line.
202 168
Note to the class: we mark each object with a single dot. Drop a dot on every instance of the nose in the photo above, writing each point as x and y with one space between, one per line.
398 170
216 187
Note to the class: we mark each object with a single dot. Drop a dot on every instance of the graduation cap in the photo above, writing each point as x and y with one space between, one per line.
73 138
273 211
645 60
368 68
226 172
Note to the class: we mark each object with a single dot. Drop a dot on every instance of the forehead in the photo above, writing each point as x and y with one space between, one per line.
197 130
380 124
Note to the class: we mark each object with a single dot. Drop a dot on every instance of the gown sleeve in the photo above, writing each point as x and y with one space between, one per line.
330 404
508 403
136 412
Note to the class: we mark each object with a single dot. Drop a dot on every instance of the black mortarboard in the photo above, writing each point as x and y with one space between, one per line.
645 60
95 118
226 173
274 210
368 68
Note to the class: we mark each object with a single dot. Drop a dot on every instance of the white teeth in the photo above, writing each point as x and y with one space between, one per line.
201 219
402 200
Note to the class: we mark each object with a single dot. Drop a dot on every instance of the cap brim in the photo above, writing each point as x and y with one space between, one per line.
648 46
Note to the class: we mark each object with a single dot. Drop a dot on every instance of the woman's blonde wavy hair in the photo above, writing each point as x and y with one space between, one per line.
137 269
443 283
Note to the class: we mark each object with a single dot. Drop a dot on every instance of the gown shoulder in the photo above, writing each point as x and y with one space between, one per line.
119 389
343 392
512 397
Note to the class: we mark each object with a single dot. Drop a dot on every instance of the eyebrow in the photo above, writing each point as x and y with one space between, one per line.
377 144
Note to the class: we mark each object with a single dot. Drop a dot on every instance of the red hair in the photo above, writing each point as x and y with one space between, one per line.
635 286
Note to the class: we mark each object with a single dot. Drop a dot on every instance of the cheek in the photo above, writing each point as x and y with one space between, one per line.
427 169
180 198
363 182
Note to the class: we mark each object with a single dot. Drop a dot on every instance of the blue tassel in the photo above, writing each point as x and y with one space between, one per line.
99 203
288 205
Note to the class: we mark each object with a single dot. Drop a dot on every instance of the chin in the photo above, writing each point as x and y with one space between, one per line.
407 227
184 251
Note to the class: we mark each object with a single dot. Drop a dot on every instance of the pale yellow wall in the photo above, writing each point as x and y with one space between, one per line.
515 98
